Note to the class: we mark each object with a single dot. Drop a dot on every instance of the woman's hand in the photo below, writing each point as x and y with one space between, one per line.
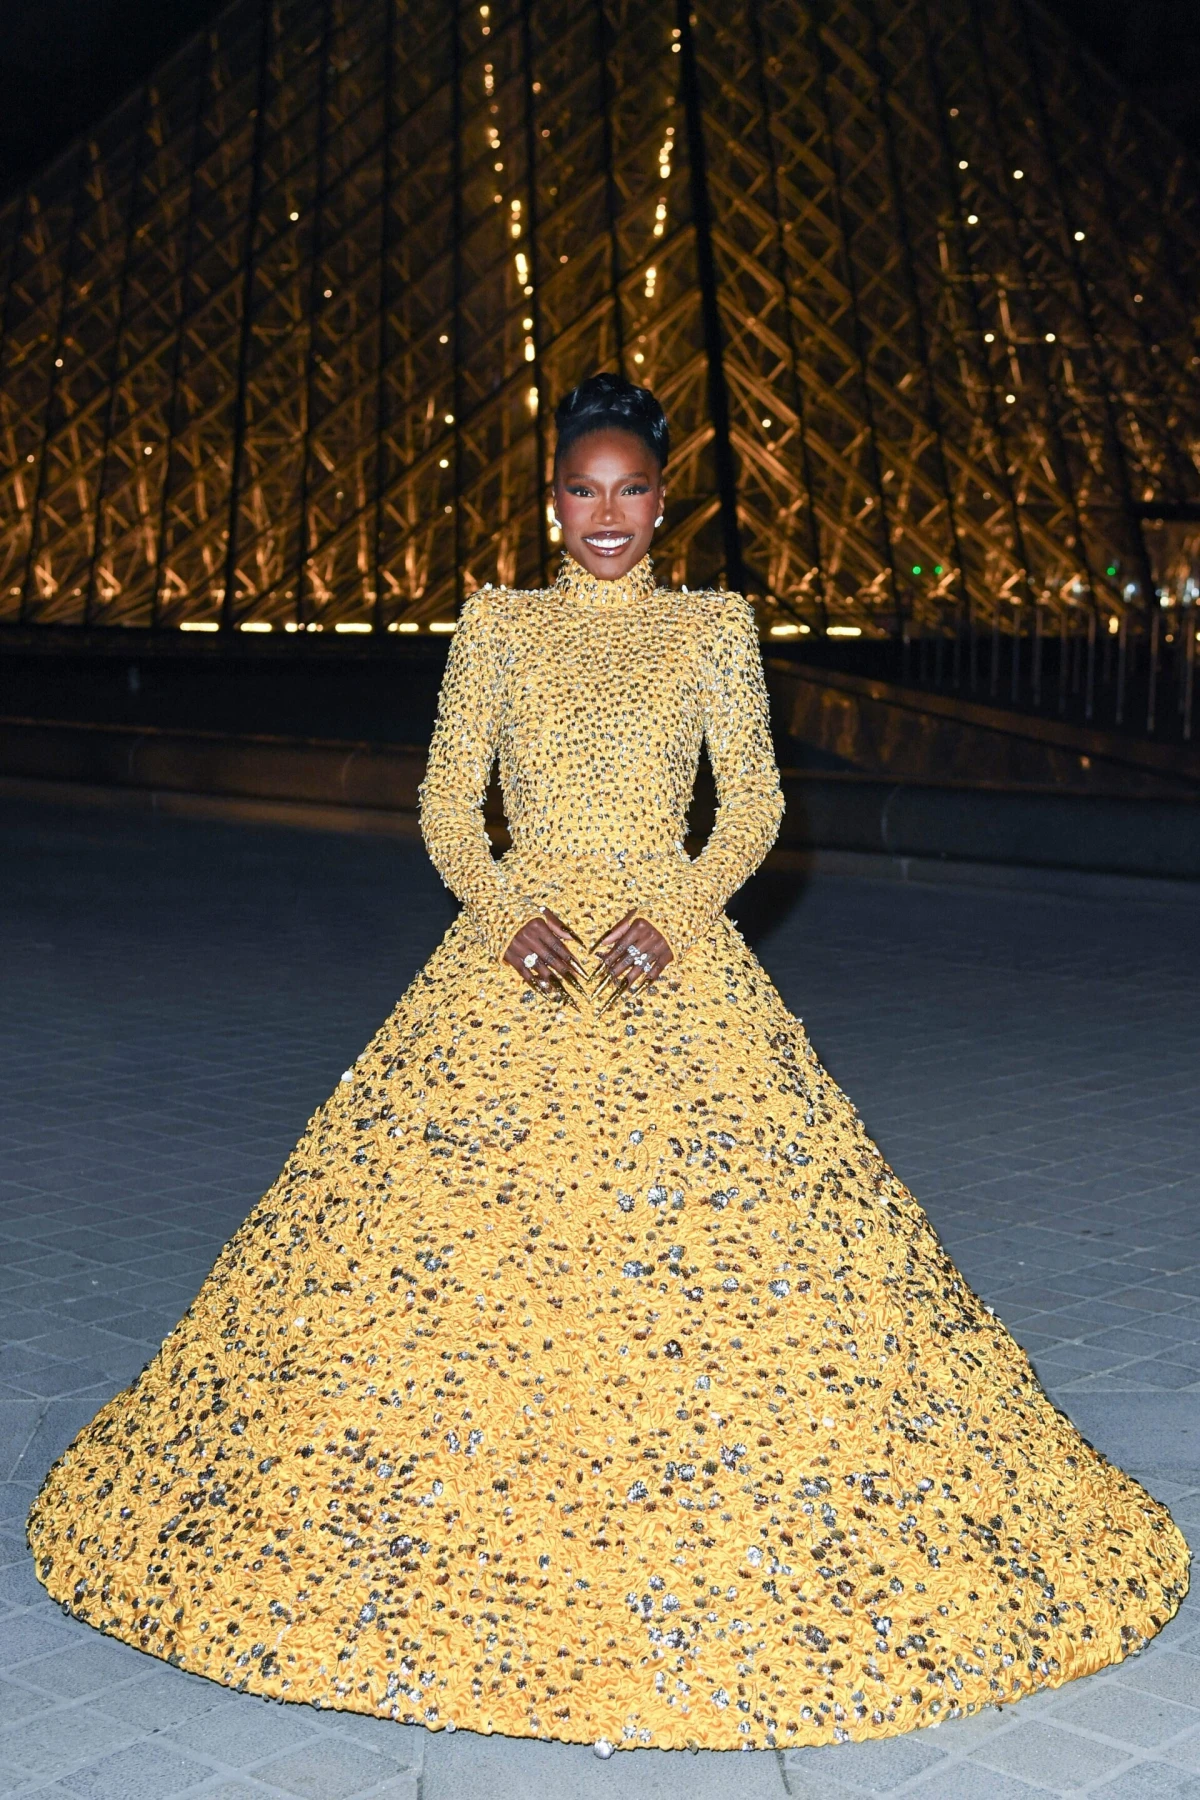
541 954
634 954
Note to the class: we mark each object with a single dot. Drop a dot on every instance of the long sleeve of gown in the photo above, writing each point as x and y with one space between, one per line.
749 799
461 754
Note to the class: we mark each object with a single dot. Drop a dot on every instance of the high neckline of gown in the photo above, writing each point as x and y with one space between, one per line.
576 584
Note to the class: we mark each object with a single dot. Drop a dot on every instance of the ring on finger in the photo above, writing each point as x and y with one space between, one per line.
531 961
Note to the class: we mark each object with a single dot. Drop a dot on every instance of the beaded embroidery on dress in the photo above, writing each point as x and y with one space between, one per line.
589 1375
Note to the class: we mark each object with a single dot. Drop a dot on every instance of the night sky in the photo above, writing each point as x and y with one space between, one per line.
63 63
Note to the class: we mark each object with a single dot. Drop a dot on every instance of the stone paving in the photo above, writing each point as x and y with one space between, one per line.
179 995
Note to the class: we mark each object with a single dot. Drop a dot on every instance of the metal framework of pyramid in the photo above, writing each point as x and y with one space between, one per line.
918 286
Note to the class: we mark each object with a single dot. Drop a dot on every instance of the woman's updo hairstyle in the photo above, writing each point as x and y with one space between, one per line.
610 403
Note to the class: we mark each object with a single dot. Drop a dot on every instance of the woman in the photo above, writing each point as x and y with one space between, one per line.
587 1374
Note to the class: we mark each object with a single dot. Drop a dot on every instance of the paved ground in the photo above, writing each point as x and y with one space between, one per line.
177 997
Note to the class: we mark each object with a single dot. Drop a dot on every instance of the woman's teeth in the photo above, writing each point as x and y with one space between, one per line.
609 542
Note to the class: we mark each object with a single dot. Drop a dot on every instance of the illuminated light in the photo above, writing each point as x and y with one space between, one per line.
1114 625
562 259
191 624
532 399
516 206
972 218
291 625
530 352
522 263
445 338
939 569
449 418
1018 174
651 281
1137 299
1010 399
349 625
441 625
29 458
515 228
255 625
989 337
526 324
555 534
954 112
448 508
404 625
148 450
443 462
293 216
498 167
58 362
484 12
963 165
1050 338
1079 236
787 630
843 631
497 198
917 570
313 625
329 293
766 424
1111 569
638 357
675 48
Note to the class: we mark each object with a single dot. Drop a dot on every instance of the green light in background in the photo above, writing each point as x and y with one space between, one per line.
916 568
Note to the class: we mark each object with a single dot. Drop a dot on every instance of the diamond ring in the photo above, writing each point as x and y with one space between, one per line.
531 960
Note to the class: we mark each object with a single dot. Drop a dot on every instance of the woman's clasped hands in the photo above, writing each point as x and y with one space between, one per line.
628 958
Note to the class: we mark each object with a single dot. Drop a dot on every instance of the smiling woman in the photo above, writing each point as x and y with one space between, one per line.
587 1373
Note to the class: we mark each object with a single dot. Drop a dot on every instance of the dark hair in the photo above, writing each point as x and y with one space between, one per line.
610 403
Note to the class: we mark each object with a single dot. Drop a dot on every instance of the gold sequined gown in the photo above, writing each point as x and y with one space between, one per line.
591 1376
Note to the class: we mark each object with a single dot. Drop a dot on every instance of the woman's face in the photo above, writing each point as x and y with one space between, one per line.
608 492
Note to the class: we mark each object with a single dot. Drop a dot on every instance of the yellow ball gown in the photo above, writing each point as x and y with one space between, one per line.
588 1374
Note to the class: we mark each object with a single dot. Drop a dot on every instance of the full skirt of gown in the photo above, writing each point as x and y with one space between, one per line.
591 1376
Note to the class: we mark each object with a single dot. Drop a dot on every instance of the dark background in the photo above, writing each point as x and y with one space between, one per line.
63 63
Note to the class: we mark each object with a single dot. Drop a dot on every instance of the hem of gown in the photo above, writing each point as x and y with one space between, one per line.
690 1737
